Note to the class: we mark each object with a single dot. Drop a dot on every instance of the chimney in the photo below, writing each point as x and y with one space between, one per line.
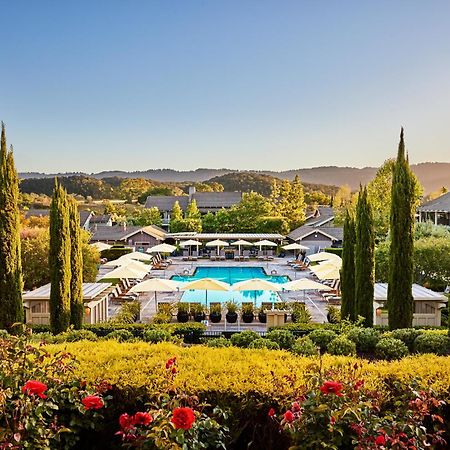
124 226
191 192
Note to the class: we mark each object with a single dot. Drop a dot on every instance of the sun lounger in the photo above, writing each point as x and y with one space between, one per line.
246 255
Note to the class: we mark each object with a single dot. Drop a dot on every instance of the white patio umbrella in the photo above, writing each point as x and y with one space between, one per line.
328 272
138 256
256 284
124 272
191 243
295 246
265 243
305 284
100 246
156 285
243 243
217 243
206 284
124 261
162 248
323 256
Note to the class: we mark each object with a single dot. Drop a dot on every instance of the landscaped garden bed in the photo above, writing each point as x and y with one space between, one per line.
108 394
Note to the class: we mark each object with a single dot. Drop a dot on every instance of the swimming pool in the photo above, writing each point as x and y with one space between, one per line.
231 275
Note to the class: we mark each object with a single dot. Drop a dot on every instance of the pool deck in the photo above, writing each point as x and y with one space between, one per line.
314 301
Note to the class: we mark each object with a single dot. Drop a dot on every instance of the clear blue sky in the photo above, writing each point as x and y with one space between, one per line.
98 85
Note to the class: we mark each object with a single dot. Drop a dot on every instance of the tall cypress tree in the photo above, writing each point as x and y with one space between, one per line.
401 259
59 261
76 260
348 308
11 283
364 259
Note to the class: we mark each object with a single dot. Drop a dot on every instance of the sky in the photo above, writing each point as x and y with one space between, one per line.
98 85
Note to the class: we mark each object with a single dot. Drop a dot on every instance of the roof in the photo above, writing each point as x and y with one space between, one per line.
90 291
204 200
103 218
334 233
37 213
420 293
84 215
226 236
166 202
120 232
440 204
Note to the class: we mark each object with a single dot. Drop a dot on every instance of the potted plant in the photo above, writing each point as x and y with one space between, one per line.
231 314
183 312
198 311
215 313
262 316
247 312
299 313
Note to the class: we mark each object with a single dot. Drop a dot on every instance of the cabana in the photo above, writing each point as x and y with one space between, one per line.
427 305
95 297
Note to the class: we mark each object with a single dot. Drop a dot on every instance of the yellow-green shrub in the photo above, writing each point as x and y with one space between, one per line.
239 371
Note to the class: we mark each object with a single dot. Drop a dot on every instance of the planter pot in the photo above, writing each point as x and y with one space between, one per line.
215 317
182 317
247 317
198 317
262 317
231 317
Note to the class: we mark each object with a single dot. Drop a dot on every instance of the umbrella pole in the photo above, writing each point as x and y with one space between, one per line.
156 304
206 298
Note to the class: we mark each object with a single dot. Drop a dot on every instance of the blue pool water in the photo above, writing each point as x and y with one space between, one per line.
231 275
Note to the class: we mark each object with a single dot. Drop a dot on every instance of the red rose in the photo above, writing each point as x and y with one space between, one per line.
295 407
170 362
331 387
380 440
174 370
332 420
288 416
271 412
34 387
92 402
359 384
142 418
183 418
126 422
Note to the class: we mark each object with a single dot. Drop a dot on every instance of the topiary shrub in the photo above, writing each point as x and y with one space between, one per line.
406 335
75 335
285 339
322 337
244 338
365 338
120 335
341 346
432 343
218 342
390 348
305 347
156 335
264 343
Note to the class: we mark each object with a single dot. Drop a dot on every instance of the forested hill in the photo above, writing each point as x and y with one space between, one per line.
432 175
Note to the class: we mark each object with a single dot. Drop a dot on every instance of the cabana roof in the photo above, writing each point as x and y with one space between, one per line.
420 293
226 236
90 291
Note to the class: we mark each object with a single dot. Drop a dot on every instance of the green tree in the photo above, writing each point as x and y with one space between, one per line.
343 199
146 216
177 212
11 284
179 226
209 222
401 259
76 266
59 261
364 258
245 215
192 211
348 308
132 188
379 192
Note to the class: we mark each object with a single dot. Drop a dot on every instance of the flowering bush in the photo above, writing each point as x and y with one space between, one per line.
173 421
327 413
42 404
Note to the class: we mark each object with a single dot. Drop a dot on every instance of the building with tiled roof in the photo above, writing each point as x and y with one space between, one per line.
436 211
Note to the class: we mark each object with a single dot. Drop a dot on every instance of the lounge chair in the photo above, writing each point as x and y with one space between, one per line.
194 255
269 255
260 255
185 255
246 255
222 255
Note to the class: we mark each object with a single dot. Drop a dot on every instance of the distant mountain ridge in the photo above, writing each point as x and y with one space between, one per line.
433 175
